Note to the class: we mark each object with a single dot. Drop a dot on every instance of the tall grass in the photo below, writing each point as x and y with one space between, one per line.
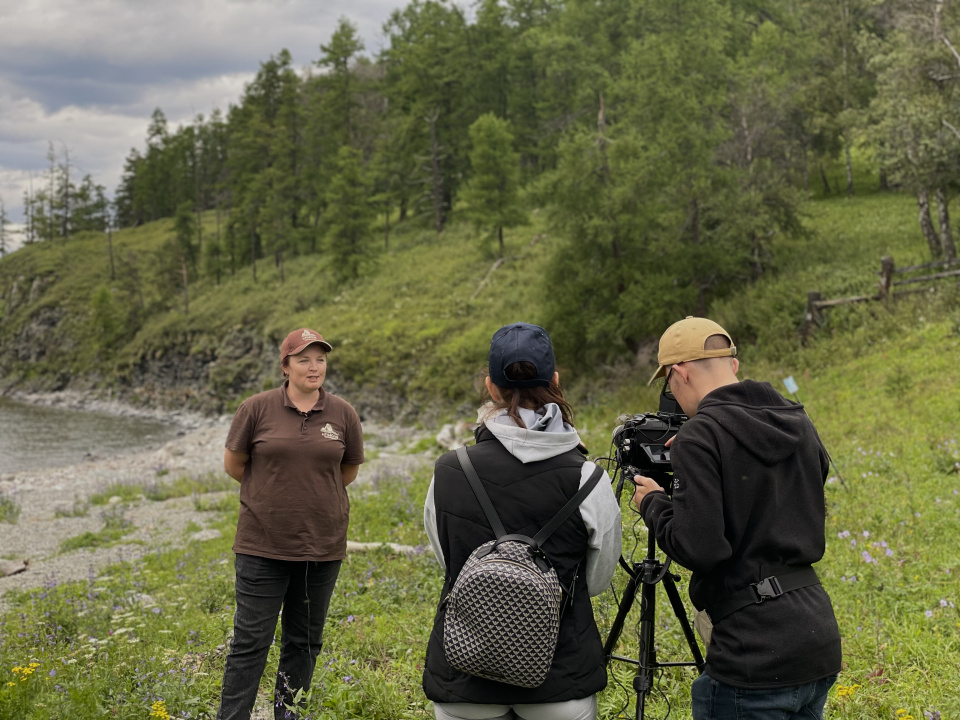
156 630
148 639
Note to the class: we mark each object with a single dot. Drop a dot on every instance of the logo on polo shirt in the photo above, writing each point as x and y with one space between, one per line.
329 433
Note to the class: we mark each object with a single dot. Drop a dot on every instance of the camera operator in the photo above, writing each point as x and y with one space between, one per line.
747 518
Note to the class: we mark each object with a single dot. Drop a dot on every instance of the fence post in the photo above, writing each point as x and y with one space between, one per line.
811 318
886 275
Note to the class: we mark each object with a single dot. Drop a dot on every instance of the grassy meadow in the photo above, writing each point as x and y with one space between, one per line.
148 639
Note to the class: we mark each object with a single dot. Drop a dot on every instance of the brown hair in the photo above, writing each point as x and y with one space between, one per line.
512 399
716 342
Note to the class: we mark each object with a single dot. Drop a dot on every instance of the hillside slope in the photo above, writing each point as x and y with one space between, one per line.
410 336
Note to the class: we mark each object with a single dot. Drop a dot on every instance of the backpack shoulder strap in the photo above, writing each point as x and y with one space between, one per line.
480 492
572 504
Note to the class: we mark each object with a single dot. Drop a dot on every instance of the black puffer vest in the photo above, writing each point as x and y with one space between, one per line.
526 497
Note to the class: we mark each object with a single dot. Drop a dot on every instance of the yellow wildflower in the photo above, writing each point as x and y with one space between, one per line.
159 710
847 690
25 672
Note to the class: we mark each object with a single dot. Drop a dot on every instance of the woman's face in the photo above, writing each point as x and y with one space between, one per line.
307 369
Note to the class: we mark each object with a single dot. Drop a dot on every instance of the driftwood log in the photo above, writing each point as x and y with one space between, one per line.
355 547
12 567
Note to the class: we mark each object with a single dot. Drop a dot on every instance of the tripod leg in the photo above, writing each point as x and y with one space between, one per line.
673 594
629 594
643 682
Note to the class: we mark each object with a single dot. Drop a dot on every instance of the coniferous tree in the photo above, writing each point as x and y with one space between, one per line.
4 236
348 216
213 258
186 250
262 164
154 183
29 211
492 194
427 83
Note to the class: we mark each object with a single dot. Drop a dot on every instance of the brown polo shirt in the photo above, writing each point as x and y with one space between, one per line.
293 505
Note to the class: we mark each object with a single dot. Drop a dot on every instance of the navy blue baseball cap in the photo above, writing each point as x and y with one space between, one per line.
521 342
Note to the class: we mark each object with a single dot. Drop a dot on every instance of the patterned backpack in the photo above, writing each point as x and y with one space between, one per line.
502 616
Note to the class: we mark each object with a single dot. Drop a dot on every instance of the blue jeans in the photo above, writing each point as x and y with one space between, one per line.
713 700
303 590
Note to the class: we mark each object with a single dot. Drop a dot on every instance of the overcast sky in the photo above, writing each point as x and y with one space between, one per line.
87 74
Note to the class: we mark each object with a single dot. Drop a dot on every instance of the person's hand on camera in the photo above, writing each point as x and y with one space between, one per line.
644 486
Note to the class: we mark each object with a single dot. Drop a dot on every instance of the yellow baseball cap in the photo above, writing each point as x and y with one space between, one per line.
684 341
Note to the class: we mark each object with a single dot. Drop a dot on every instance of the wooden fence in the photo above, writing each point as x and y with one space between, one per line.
813 317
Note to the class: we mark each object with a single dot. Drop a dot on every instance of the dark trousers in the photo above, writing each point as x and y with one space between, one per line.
303 590
713 700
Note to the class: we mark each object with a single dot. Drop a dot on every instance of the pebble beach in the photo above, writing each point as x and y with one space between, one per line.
55 504
51 500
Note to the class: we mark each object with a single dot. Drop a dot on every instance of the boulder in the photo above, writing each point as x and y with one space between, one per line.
12 567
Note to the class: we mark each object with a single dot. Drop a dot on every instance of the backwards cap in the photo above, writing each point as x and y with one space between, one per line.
685 340
521 342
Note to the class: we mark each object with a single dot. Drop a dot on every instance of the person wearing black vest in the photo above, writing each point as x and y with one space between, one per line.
531 462
747 516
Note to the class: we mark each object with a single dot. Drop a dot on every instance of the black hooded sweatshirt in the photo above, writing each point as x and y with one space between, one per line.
749 470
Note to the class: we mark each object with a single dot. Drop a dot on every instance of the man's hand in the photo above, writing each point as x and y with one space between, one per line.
644 487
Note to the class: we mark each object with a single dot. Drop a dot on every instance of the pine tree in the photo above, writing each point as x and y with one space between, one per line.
348 216
4 237
186 251
492 194
428 75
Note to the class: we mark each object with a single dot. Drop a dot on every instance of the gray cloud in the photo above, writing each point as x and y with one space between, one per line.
87 74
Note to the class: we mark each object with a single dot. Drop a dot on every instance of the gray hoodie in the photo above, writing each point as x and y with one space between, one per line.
545 436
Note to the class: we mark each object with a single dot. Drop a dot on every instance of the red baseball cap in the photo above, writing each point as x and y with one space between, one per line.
296 341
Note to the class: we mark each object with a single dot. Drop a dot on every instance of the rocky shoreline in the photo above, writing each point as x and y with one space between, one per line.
48 498
51 500
92 402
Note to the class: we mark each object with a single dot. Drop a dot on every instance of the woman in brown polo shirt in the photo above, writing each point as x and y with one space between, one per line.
294 450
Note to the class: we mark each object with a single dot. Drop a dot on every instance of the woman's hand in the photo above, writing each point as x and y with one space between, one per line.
234 462
349 473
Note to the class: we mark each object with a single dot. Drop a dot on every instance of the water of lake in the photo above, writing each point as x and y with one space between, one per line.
34 437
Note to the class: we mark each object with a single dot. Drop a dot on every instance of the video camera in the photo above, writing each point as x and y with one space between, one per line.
640 442
640 449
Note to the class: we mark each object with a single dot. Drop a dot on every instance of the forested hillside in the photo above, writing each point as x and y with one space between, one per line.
621 164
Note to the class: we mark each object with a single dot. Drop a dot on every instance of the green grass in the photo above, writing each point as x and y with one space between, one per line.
409 327
9 509
183 486
879 382
115 527
894 442
415 328
228 502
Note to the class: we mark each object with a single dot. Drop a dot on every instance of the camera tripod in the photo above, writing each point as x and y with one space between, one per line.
650 572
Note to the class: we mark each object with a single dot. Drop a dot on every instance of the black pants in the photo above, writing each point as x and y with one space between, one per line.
303 590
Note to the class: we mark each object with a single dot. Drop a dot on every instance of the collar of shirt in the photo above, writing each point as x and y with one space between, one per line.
318 406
